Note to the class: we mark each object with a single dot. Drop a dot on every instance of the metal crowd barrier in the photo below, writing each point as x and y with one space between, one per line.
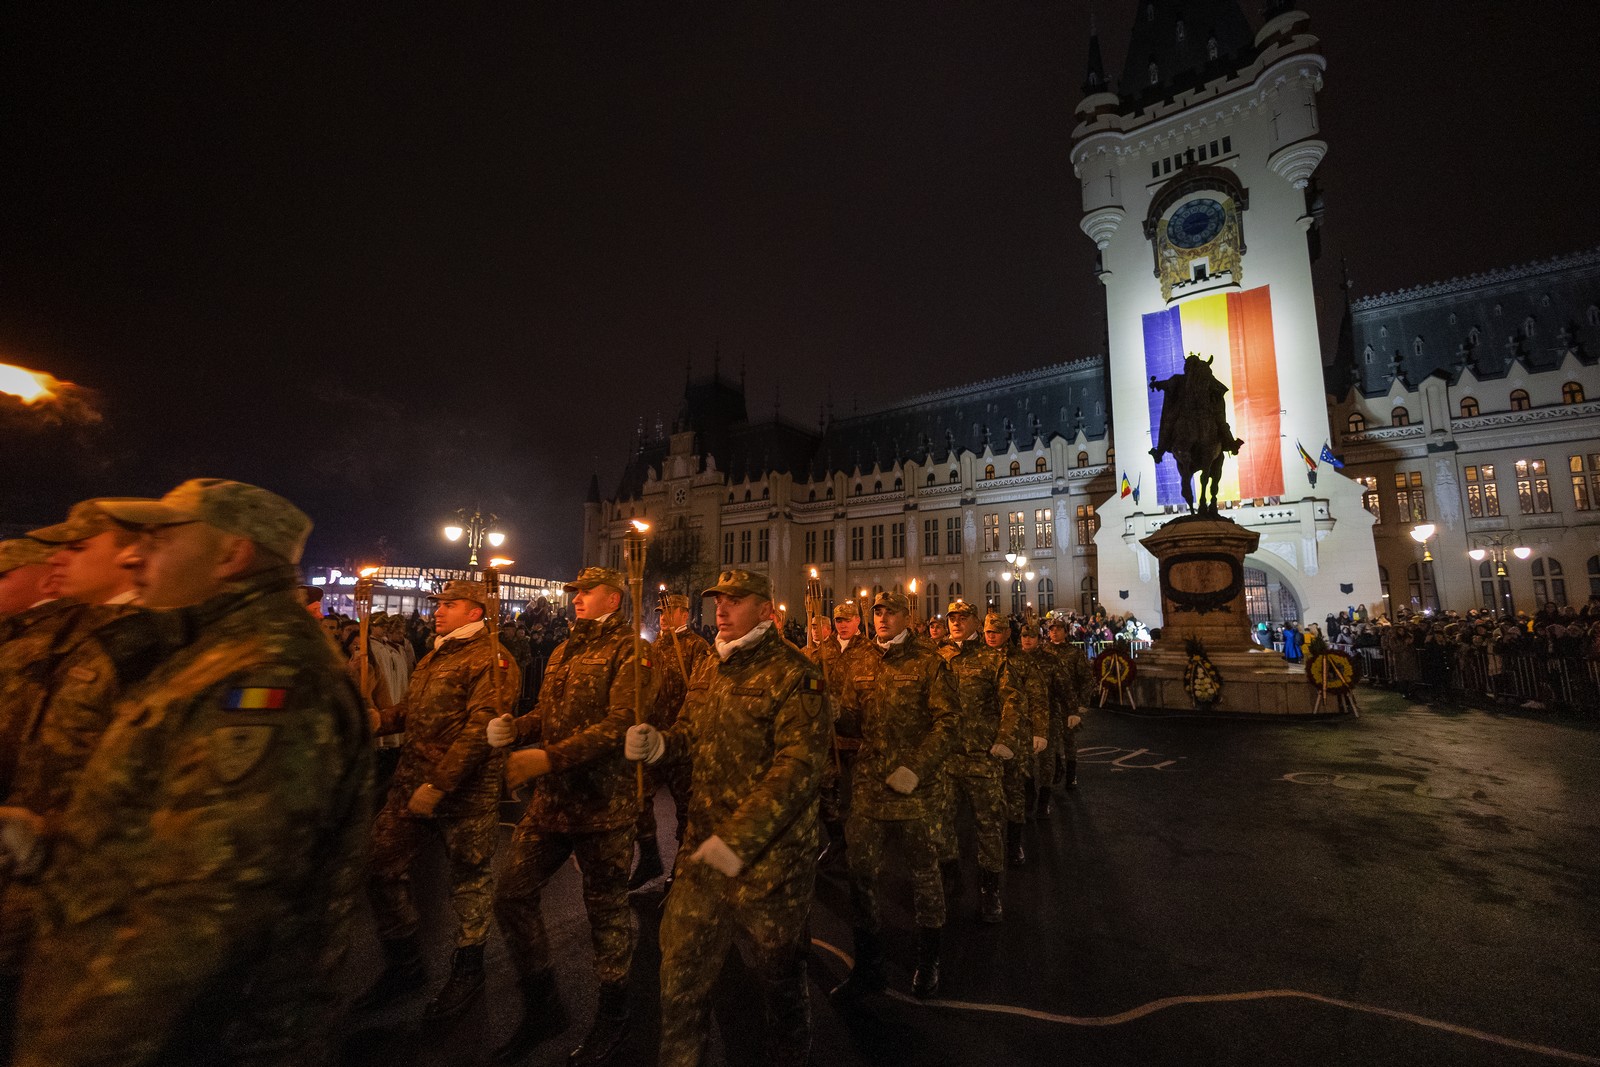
1534 680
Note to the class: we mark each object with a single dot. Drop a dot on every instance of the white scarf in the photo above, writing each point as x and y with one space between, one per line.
728 648
895 640
460 633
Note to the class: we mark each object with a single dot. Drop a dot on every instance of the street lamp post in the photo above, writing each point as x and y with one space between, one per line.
1018 574
1494 546
476 531
1420 533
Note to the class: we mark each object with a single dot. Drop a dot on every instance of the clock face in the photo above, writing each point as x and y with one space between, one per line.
1195 223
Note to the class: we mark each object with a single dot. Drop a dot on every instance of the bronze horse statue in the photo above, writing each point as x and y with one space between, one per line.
1194 429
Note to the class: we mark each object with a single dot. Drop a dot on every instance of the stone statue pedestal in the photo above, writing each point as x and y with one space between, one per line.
1202 596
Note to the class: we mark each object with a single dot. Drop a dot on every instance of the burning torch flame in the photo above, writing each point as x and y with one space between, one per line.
640 525
501 561
813 572
913 586
368 572
27 385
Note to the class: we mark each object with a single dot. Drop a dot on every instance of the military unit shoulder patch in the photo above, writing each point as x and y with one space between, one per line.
255 698
812 684
644 659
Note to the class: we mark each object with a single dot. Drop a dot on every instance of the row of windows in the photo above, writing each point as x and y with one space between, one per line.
1483 492
1198 154
1494 588
1571 393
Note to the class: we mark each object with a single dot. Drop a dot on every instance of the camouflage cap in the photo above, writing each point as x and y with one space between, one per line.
590 577
22 551
993 623
675 602
741 583
846 610
460 589
237 508
86 519
311 594
959 607
892 601
1057 622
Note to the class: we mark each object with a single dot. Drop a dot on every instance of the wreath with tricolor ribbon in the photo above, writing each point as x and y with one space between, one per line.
1331 670
1114 669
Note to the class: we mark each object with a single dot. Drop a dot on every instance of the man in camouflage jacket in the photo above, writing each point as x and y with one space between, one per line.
197 898
447 783
847 658
1075 687
991 722
585 804
756 729
1018 774
678 653
907 716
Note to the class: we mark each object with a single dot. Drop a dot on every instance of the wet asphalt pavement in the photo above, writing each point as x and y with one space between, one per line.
1416 886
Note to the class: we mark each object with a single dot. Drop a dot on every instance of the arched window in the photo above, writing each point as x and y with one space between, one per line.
955 591
1594 576
955 475
1047 595
1355 423
988 472
991 594
747 494
1155 74
1383 584
1040 465
1549 587
1400 417
1016 468
1111 456
813 495
930 477
1472 337
766 493
1529 327
899 483
1083 459
1572 393
1211 48
830 492
934 607
1424 594
877 487
1088 595
1416 346
1496 595
827 600
1519 400
858 489
730 500
1469 407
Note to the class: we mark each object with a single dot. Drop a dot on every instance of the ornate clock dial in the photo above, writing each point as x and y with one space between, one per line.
1195 223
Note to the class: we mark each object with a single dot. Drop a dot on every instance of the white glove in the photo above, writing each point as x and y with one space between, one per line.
19 838
1002 751
500 732
1082 710
713 851
643 742
902 780
1040 743
1073 721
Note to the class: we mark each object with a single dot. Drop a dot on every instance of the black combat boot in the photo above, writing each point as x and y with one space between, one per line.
925 983
989 907
610 1027
787 1005
1043 803
950 875
1015 856
1030 799
648 868
462 988
403 972
1071 774
867 976
543 1017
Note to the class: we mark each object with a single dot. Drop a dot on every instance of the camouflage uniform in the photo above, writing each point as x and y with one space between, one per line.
757 728
677 655
906 714
587 805
991 714
453 693
198 900
842 669
1034 720
1075 688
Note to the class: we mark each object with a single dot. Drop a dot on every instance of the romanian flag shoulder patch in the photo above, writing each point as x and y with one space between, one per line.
255 698
812 684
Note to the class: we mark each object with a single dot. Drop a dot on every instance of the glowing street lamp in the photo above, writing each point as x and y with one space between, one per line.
476 531
1493 546
1420 534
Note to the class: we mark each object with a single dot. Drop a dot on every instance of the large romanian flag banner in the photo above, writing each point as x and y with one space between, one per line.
1236 329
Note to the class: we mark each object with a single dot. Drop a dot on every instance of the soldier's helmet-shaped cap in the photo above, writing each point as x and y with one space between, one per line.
892 601
590 577
86 519
959 607
846 610
994 624
741 583
22 551
676 602
460 589
237 508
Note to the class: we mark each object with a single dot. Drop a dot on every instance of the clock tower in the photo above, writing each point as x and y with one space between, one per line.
1198 192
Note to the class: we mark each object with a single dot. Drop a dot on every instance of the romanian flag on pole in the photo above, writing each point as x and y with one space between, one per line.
1311 463
1127 486
1236 329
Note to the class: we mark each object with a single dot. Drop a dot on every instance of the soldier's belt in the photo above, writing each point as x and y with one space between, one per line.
385 741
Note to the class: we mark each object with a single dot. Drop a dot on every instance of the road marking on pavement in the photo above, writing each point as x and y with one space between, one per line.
1222 998
1123 762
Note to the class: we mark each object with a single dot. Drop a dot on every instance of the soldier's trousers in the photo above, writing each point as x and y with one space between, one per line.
604 857
867 840
1014 778
703 919
836 785
984 797
398 836
675 779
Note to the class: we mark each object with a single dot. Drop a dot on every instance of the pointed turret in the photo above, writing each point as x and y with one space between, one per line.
1094 79
1181 44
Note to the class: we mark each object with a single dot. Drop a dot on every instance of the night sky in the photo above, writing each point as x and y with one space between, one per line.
392 264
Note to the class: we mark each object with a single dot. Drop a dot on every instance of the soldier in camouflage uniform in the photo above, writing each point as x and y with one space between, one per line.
447 784
907 716
846 659
991 720
585 803
1017 776
198 893
756 728
679 652
22 577
1075 689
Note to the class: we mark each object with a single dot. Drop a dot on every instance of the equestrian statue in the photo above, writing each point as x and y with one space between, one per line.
1194 429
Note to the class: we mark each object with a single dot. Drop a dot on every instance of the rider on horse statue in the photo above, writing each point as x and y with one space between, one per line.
1194 429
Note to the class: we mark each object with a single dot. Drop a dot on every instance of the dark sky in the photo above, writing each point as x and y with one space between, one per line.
393 263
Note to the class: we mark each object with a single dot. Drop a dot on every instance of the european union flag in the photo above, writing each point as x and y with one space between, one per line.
1329 457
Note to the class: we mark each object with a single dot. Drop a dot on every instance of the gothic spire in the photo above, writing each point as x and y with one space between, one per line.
1095 80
